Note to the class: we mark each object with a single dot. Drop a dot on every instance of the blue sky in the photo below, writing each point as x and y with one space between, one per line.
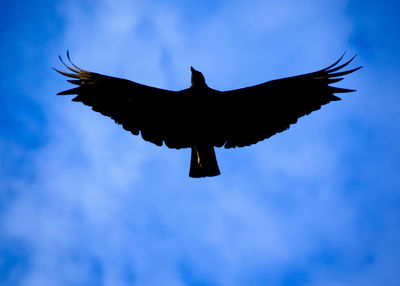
82 202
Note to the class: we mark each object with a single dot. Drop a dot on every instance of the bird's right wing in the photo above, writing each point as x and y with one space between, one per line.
248 115
157 113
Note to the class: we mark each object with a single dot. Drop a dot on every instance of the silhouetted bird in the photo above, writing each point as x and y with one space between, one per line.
202 118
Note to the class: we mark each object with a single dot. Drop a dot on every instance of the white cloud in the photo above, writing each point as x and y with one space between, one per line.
105 205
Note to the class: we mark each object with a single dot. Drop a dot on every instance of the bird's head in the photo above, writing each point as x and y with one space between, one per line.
198 79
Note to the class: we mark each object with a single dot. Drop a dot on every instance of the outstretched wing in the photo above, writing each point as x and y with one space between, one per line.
156 113
252 114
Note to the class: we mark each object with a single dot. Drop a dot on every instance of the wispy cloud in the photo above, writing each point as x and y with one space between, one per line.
94 205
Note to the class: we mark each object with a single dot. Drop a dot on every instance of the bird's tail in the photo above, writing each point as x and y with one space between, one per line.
203 162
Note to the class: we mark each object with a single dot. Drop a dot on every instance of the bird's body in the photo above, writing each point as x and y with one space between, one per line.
202 118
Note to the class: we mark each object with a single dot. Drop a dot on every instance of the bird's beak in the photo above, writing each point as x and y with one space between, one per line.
192 69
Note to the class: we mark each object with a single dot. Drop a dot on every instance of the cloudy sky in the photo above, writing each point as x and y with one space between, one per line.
82 202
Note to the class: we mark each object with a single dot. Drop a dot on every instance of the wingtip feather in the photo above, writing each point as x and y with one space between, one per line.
69 59
334 80
334 98
344 72
335 63
78 98
341 66
341 90
73 75
69 91
76 69
74 81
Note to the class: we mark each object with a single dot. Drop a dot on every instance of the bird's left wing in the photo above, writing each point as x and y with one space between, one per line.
246 116
156 113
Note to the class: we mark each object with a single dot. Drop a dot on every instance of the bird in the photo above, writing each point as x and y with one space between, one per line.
202 118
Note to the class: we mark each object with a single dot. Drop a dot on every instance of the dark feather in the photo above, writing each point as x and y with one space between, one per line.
344 73
341 66
75 81
69 91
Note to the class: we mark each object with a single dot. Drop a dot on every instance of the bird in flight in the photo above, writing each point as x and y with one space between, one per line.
202 118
